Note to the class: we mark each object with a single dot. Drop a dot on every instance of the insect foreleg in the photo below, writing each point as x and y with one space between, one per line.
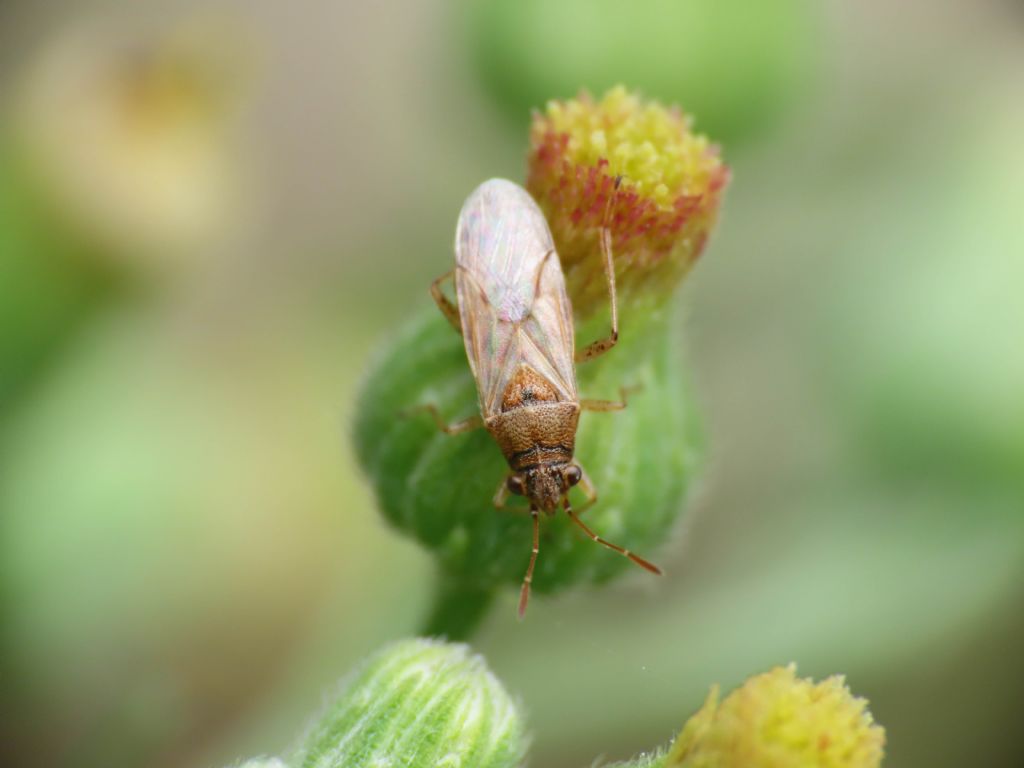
610 405
587 487
501 495
448 309
540 273
524 592
599 347
455 428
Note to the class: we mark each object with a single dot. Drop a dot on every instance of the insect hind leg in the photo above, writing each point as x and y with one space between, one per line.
449 310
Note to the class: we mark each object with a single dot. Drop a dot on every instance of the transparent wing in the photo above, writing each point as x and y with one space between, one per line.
512 300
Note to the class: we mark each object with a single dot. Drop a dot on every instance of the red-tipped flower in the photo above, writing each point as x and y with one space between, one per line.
660 215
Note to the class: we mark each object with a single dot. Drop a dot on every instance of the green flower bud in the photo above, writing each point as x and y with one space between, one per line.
439 488
417 704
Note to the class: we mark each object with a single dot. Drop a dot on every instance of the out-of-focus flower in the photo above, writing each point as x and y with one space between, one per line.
777 720
128 139
660 215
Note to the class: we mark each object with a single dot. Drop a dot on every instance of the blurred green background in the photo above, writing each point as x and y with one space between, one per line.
211 214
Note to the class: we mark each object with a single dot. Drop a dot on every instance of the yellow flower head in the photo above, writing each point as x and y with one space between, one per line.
130 137
663 210
777 720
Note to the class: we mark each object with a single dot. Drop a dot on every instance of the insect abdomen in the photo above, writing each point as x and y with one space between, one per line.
530 435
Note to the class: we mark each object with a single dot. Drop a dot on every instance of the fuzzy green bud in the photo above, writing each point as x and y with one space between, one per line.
417 704
439 488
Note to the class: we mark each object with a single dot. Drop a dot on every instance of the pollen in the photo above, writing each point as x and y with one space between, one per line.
670 183
777 720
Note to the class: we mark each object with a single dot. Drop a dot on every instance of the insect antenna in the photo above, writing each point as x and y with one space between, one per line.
524 593
646 565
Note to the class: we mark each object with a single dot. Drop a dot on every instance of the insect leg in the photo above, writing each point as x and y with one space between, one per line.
615 547
448 309
610 405
599 347
524 593
500 499
540 273
455 428
587 486
501 495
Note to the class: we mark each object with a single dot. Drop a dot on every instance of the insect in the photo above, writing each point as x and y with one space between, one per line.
516 321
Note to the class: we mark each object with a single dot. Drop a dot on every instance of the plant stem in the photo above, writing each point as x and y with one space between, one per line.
458 609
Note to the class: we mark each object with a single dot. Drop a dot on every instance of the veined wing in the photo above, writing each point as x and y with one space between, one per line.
511 292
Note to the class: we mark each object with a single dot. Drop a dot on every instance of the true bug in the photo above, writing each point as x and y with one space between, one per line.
516 321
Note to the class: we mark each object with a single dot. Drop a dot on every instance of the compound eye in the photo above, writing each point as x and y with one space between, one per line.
573 475
515 484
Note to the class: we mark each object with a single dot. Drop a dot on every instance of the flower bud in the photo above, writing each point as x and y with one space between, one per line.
670 184
777 720
439 487
417 704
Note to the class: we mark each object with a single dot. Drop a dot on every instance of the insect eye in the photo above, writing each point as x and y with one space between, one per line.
515 484
573 475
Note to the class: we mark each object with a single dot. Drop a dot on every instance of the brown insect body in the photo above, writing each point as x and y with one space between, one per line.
516 321
537 435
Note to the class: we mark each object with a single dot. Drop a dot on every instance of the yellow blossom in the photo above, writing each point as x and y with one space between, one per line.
777 720
129 138
661 214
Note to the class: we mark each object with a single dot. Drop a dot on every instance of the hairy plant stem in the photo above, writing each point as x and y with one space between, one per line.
459 608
